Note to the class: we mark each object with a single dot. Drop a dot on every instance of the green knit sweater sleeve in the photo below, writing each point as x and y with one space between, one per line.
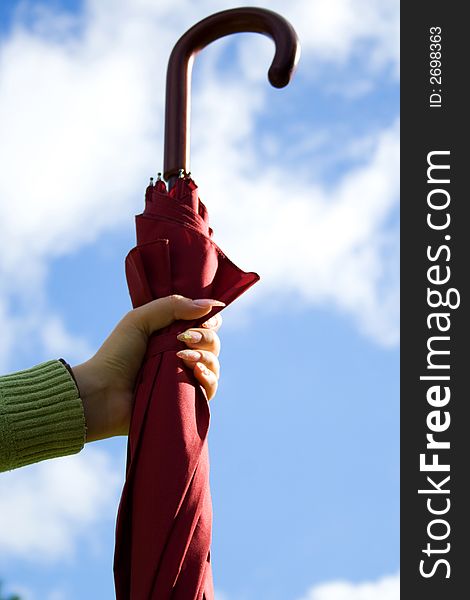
41 415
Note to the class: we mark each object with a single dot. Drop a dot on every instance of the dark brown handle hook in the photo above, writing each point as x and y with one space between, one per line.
178 81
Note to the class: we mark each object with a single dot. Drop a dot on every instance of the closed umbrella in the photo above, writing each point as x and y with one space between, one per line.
163 530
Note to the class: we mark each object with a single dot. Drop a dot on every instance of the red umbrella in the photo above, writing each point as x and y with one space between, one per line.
163 530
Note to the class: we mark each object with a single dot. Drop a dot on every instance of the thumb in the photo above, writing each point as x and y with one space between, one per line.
163 311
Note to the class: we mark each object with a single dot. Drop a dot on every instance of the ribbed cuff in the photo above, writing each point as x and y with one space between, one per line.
42 415
72 374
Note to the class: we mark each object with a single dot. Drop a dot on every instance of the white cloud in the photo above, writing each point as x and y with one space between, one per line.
335 33
323 245
57 341
386 588
337 30
31 331
73 154
49 508
81 121
6 338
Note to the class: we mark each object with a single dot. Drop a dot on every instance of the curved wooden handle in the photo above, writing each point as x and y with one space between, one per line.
178 81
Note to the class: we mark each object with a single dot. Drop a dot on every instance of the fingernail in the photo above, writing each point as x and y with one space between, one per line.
203 369
212 322
205 302
190 336
189 354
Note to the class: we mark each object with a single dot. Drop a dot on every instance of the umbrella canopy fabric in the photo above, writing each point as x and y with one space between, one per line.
163 531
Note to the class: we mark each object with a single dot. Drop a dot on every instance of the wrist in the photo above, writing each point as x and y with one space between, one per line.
92 392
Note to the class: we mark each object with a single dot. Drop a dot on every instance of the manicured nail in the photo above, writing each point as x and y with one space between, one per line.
189 354
206 302
190 336
203 369
212 322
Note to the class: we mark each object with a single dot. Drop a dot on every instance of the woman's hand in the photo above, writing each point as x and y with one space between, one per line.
106 381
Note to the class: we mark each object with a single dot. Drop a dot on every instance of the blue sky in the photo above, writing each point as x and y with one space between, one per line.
304 435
